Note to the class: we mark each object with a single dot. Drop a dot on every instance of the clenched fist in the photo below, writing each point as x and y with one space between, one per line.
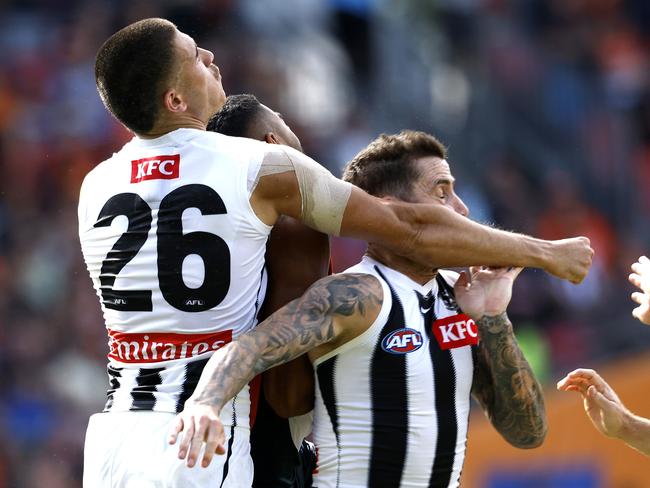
570 259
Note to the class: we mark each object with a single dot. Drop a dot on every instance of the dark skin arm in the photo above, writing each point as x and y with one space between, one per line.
296 257
332 312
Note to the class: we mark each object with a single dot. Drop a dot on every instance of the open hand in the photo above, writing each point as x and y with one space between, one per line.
488 293
200 424
602 405
570 259
640 277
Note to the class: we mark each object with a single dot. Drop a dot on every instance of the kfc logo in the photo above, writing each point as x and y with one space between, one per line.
455 331
155 168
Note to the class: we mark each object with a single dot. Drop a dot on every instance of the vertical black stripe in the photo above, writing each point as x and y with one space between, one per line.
231 441
114 384
148 380
389 397
446 293
444 375
325 373
193 372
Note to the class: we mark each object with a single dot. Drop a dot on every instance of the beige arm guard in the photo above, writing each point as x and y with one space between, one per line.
323 197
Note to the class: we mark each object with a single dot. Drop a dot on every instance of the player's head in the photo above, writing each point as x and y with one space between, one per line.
151 76
245 116
408 166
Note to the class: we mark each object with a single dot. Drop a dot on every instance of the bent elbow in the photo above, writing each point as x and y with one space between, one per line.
529 440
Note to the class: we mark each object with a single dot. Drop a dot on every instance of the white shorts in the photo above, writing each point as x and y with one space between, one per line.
130 450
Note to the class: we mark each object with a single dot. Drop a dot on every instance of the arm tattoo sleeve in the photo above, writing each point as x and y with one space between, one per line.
296 328
505 385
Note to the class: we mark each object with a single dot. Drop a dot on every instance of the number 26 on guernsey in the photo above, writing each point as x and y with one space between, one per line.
173 248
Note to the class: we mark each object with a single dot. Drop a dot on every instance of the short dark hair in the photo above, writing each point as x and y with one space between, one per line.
236 115
386 167
130 71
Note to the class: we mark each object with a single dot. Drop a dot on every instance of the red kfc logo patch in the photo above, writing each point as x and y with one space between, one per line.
155 168
455 331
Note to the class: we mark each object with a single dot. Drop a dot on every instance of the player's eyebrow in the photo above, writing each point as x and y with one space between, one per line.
196 48
444 180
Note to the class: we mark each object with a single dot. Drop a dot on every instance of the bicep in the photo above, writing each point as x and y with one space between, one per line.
380 221
293 184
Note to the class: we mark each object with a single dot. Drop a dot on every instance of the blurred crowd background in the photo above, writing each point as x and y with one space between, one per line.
544 104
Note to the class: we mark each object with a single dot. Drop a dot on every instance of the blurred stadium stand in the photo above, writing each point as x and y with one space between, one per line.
545 105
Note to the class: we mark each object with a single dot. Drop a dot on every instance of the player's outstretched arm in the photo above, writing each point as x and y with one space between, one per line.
640 277
293 184
504 383
333 310
606 411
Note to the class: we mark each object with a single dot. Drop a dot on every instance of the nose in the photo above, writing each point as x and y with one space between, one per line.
460 207
206 56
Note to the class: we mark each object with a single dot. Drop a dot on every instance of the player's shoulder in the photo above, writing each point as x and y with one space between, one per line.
217 141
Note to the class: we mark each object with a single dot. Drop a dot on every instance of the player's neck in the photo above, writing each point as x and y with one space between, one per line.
403 265
166 126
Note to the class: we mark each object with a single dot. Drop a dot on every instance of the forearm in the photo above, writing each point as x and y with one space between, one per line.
636 433
307 322
285 335
512 395
436 236
453 240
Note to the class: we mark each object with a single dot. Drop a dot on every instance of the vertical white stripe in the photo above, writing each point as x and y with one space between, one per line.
464 366
422 430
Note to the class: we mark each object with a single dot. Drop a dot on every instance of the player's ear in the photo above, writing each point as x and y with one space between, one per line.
271 138
173 102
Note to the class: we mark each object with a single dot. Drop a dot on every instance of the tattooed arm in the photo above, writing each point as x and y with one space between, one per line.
504 384
332 312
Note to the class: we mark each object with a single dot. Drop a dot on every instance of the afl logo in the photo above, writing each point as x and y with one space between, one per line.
402 341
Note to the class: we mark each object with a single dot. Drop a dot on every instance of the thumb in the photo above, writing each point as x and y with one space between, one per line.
601 400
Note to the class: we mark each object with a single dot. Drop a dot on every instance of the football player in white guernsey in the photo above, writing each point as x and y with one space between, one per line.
173 229
397 349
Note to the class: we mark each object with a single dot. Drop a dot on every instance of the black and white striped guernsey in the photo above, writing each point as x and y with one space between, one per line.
392 404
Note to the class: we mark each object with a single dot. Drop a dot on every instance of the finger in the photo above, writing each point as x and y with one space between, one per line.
640 298
187 439
642 313
178 427
644 260
214 442
638 268
197 442
599 399
635 279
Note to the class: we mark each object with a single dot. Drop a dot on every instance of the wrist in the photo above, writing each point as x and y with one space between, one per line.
494 324
543 252
628 427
